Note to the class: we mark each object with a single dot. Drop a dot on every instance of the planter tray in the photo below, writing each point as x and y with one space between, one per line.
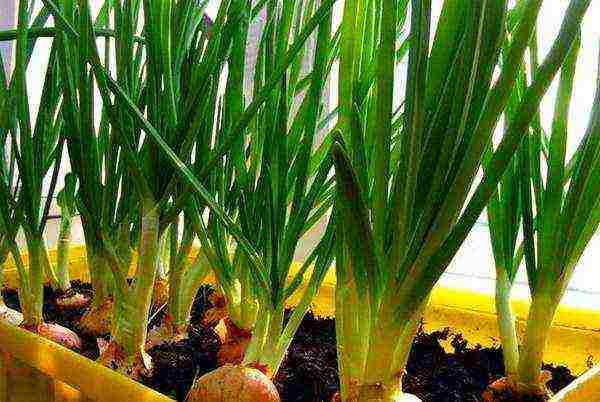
53 373
68 376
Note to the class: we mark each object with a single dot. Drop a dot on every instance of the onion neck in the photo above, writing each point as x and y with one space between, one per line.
383 344
49 269
352 348
34 303
270 356
539 322
133 312
387 357
391 339
3 256
62 252
242 305
389 392
259 337
100 277
23 288
506 323
184 285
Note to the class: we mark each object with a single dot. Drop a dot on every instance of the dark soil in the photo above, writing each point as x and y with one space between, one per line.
309 371
68 318
463 375
176 364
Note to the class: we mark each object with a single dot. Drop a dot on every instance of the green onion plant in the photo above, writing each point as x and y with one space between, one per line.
68 209
38 153
178 110
150 77
275 184
8 189
403 216
560 215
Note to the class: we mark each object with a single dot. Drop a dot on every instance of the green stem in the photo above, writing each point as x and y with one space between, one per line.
259 337
100 277
23 275
248 302
506 323
177 289
378 384
48 268
62 255
133 312
50 32
291 327
186 291
163 268
405 342
169 254
269 355
539 322
351 345
179 304
3 256
33 304
123 248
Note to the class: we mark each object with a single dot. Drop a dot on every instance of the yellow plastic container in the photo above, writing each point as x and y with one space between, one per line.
55 374
585 388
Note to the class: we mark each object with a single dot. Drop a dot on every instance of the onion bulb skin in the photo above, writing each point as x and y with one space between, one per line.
56 333
233 383
507 388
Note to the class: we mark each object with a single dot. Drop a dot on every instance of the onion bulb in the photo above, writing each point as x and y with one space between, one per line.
233 383
56 333
507 389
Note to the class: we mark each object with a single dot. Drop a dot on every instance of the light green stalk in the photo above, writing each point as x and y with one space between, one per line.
24 296
506 323
259 337
63 248
32 310
539 322
164 258
100 277
383 344
184 281
351 350
49 271
242 301
192 280
6 314
404 346
3 257
134 309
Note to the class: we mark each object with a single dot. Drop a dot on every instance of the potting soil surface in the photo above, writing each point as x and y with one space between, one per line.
309 372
